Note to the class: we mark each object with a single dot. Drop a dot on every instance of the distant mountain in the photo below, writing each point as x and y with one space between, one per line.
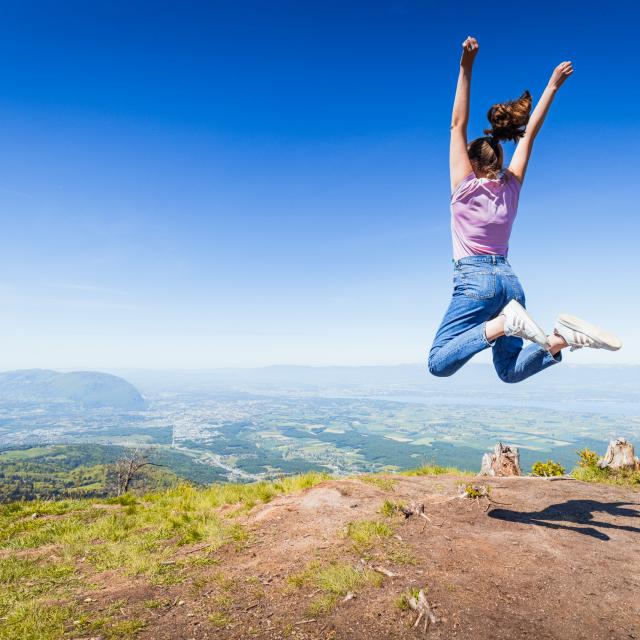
88 389
586 381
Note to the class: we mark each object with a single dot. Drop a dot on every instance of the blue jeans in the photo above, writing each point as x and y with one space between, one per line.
482 286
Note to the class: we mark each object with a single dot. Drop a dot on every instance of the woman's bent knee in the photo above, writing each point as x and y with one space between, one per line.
506 376
437 369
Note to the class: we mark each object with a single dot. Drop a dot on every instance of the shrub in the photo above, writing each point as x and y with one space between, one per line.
474 491
546 469
587 458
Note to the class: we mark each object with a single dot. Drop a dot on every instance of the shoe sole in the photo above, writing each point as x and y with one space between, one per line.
542 336
605 338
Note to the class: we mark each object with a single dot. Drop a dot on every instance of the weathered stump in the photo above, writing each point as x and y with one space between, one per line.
620 455
504 461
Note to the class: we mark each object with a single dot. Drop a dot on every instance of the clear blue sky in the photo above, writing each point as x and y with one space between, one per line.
201 184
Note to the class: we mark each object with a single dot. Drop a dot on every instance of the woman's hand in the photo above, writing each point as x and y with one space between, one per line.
560 74
470 49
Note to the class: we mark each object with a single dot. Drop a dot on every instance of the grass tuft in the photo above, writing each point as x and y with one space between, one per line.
366 533
123 629
435 470
386 484
29 620
219 619
390 508
333 581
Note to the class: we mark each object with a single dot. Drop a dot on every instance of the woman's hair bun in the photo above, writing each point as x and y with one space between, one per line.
509 119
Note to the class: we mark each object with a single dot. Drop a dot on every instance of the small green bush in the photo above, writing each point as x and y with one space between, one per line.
474 491
546 469
587 459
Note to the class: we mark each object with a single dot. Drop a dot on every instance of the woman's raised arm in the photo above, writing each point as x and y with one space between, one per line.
459 164
521 155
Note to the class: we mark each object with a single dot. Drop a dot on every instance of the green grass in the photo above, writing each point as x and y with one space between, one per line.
386 484
134 536
219 619
588 470
29 620
25 585
333 581
390 508
624 477
366 533
123 629
435 470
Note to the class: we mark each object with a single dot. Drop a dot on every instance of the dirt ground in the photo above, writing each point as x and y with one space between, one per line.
546 559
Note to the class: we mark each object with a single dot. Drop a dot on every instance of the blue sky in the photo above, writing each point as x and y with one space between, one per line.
203 184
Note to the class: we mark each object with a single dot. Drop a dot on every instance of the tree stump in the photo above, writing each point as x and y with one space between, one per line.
504 461
620 455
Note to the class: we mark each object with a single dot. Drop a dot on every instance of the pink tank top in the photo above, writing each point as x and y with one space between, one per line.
482 214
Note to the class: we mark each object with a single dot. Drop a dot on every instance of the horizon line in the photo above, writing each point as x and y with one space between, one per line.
604 365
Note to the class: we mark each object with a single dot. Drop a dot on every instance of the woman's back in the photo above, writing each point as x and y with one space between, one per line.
482 215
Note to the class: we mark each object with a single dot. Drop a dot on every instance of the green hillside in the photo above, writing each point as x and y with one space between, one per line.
76 471
87 389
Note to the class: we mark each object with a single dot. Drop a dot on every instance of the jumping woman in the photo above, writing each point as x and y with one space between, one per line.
488 304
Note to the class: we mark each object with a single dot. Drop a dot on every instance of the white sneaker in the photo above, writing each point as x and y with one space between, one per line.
579 333
520 324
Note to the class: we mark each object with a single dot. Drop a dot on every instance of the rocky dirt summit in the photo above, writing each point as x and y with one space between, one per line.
397 556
